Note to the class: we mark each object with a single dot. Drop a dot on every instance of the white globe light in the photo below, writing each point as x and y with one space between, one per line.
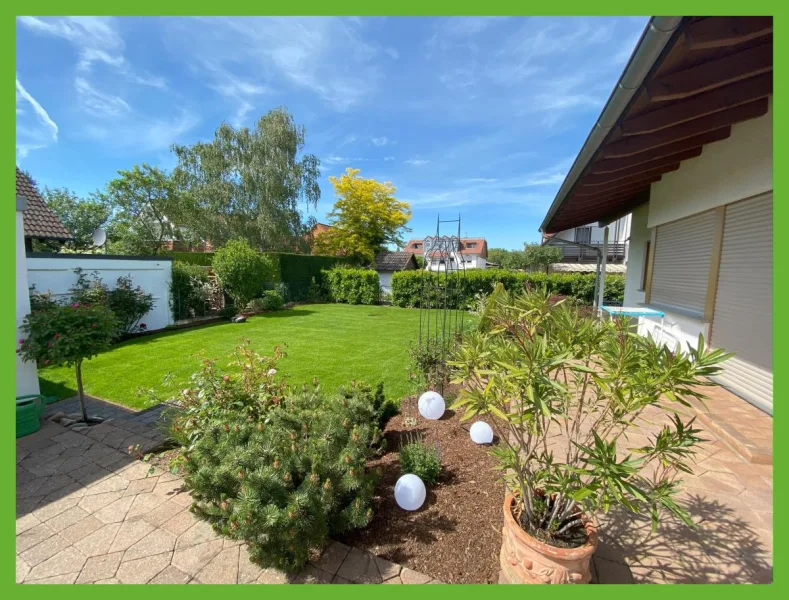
481 433
431 405
410 492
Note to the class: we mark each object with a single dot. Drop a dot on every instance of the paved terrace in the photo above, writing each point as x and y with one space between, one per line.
87 512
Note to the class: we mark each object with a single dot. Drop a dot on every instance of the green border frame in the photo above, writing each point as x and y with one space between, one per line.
366 8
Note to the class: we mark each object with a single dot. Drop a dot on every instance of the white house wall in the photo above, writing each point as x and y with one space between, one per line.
26 373
738 167
57 275
639 235
597 232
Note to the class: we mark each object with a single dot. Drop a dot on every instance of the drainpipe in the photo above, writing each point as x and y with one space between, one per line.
657 34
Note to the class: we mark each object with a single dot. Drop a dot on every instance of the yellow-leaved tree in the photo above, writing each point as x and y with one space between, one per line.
365 218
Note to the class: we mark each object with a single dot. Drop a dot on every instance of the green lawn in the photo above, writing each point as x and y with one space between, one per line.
333 342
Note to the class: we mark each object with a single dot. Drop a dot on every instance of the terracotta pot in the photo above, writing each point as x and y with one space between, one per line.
525 559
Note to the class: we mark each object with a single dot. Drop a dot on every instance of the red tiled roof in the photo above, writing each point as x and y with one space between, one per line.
481 247
40 221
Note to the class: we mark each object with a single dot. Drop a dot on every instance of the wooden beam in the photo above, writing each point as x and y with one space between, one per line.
614 165
583 189
648 167
711 75
719 32
592 211
700 105
636 144
614 193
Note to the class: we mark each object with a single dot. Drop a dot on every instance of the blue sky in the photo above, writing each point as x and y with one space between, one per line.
477 116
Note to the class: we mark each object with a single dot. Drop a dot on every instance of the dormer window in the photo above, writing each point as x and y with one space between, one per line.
471 245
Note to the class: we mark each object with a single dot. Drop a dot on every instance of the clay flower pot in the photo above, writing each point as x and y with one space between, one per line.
524 559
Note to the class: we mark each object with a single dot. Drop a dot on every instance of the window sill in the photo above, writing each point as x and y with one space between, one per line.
675 310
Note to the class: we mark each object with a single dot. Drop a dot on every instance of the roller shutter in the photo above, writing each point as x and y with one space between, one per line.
742 321
683 251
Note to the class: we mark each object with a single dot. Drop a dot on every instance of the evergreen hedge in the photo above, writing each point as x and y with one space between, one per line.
203 259
353 286
462 288
297 271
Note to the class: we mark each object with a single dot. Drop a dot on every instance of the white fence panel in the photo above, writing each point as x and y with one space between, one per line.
56 273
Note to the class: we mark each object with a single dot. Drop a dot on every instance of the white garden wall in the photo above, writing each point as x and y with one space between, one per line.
26 373
56 273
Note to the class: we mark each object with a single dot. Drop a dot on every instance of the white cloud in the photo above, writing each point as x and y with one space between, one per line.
328 57
97 40
380 141
388 158
142 133
417 162
478 180
99 104
36 133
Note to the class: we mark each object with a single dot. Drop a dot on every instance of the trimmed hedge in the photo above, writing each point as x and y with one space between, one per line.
296 271
407 285
193 258
353 286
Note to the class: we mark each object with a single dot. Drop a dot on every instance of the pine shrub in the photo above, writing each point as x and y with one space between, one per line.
421 459
279 469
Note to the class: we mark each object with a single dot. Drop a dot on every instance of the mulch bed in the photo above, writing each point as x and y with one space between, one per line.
456 535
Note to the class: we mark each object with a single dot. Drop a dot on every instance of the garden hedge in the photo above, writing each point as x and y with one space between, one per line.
353 286
296 271
407 285
193 258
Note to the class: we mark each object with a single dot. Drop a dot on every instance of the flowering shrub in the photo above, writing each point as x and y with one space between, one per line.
67 335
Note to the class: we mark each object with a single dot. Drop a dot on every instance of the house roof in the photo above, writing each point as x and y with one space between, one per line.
688 81
394 261
481 247
40 221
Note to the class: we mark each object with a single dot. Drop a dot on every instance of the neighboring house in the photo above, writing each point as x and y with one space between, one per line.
581 255
472 253
40 223
685 145
388 263
34 221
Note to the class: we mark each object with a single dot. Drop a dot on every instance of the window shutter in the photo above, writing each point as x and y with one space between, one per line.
683 252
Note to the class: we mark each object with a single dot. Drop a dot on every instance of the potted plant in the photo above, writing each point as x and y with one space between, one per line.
68 335
566 392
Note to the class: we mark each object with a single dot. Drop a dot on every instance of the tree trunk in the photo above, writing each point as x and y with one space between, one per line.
81 392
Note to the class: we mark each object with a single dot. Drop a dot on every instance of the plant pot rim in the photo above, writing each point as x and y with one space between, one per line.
546 549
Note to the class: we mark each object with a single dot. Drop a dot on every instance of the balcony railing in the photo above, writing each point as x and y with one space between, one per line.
584 254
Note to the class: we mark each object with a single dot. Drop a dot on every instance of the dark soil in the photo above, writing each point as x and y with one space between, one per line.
456 535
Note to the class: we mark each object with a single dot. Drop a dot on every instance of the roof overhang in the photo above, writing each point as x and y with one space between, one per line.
688 81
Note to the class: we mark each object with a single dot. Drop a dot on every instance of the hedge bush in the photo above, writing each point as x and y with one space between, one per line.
462 288
242 271
297 272
353 286
189 290
193 258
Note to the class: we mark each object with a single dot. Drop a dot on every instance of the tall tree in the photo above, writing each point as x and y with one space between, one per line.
365 217
249 183
80 216
148 210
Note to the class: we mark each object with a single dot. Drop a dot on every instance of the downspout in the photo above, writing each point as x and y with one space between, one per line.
649 48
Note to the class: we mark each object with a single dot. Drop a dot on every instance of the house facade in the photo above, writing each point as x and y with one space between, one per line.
586 240
470 253
684 146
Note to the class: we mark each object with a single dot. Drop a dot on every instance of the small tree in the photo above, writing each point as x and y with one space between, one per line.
241 271
539 256
565 391
365 218
68 335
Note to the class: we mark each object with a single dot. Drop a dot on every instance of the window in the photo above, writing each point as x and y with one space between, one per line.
645 267
471 245
416 246
583 235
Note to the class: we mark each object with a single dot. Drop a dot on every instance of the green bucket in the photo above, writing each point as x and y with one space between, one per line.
28 413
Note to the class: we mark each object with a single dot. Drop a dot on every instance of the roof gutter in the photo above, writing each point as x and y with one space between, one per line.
652 43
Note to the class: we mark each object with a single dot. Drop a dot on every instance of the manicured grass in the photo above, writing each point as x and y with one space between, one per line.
334 342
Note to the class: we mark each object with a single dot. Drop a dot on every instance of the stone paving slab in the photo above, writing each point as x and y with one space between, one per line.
131 524
87 512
